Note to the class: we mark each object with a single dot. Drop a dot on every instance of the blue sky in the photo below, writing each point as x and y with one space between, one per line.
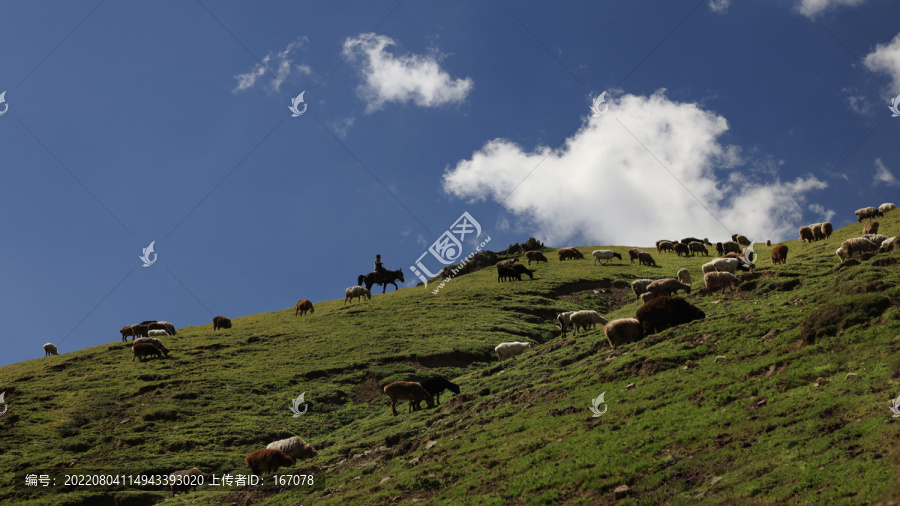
168 121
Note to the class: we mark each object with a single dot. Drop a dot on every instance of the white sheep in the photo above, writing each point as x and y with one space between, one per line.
667 286
724 265
646 296
867 212
356 291
716 280
878 239
563 321
605 254
585 319
841 255
511 349
639 286
295 447
684 276
623 331
857 245
157 333
886 207
886 244
50 349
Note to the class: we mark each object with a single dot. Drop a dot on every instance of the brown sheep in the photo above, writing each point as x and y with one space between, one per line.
682 249
623 331
667 286
633 254
126 331
303 306
827 228
187 479
818 233
806 234
408 391
779 254
663 312
295 447
567 253
141 350
731 247
644 258
665 246
871 227
535 256
267 459
715 280
856 245
140 330
220 322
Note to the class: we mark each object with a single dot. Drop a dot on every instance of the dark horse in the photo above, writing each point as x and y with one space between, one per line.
383 278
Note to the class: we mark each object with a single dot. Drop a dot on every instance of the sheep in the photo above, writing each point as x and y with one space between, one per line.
304 306
438 384
688 240
126 331
867 212
566 253
634 252
871 227
663 246
818 232
841 255
667 286
219 322
684 276
605 254
141 350
294 447
779 254
827 228
623 331
664 312
698 247
720 248
516 271
261 461
715 280
585 319
682 249
731 247
535 256
806 234
886 207
508 262
856 245
662 241
139 330
741 240
646 296
521 269
50 349
511 349
407 391
154 341
169 328
768 242
886 244
184 480
724 265
157 333
639 286
564 321
878 239
356 291
646 259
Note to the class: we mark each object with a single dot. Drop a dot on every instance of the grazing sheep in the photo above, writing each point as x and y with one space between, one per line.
768 242
867 212
856 245
169 328
521 269
818 232
639 286
698 247
688 240
634 252
154 341
886 207
140 330
645 259
605 254
304 306
667 286
716 280
841 255
871 227
294 447
50 349
511 349
141 350
682 249
741 240
438 384
887 244
724 265
684 276
267 460
662 241
567 253
663 312
720 248
508 262
157 333
356 291
646 296
779 254
535 256
515 271
731 247
220 322
623 331
806 234
585 319
664 246
878 239
126 331
407 391
184 480
563 321
827 228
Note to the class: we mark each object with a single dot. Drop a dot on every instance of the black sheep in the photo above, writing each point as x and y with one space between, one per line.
436 385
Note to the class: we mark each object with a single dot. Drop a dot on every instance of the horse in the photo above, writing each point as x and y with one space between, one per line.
383 278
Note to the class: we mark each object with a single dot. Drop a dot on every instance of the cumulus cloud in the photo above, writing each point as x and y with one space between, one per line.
883 175
810 8
886 58
649 168
401 79
719 6
278 66
824 214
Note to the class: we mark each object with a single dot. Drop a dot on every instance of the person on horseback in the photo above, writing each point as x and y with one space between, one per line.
379 265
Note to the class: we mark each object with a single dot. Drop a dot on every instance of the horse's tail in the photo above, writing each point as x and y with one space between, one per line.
359 281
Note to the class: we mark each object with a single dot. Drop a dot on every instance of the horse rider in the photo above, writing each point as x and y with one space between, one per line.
379 265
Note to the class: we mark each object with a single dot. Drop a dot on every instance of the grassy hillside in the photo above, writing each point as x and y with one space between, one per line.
780 394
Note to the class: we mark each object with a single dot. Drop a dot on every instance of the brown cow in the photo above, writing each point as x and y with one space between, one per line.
220 322
303 306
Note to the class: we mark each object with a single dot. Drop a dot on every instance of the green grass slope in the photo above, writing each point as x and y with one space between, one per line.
780 395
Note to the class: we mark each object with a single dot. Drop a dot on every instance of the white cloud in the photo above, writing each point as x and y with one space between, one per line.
886 58
857 103
719 6
883 175
604 187
342 126
824 214
810 8
278 66
412 77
